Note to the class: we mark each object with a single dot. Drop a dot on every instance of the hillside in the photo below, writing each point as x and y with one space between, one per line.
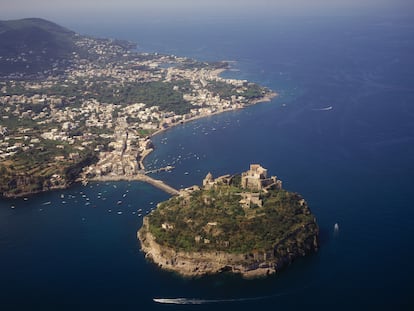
32 45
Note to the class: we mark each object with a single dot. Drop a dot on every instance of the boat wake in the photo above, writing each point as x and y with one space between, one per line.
323 109
195 301
336 229
183 301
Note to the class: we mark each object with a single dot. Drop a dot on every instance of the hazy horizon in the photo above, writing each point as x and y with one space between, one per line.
122 10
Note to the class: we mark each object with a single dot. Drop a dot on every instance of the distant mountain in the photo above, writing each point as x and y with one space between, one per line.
33 45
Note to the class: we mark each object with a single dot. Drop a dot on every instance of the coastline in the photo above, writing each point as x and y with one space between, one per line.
197 264
216 228
159 183
143 177
254 264
103 138
265 99
30 193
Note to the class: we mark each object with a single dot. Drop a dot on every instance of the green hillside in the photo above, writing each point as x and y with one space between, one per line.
214 220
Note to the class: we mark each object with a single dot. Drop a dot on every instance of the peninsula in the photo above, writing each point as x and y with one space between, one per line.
246 224
78 108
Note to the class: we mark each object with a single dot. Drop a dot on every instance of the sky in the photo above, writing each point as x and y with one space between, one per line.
81 9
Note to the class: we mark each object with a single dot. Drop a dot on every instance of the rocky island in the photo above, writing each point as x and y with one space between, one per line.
246 224
79 108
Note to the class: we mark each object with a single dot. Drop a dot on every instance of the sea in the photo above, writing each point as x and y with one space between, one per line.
340 133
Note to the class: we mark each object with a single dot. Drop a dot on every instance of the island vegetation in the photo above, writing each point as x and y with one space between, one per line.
256 226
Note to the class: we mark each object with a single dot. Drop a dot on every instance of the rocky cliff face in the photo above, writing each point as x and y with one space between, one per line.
22 185
253 264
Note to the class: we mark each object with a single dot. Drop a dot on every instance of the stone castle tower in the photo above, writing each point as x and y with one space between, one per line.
256 178
208 181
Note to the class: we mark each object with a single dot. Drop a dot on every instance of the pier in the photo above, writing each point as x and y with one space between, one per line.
139 177
160 185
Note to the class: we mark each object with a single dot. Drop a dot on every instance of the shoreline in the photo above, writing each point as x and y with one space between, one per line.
198 264
159 183
142 177
265 99
265 254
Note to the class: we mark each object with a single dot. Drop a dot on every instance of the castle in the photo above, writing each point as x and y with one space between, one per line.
256 179
253 181
209 181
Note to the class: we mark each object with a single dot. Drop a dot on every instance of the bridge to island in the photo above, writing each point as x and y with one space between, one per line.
139 177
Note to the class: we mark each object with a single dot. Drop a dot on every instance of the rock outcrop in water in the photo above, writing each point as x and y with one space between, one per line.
244 224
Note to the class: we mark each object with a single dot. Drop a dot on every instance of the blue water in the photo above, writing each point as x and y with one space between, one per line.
353 163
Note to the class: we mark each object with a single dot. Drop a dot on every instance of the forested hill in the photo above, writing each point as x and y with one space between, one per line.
31 45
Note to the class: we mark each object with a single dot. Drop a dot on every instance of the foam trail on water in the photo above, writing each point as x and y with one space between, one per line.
195 301
323 109
183 301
